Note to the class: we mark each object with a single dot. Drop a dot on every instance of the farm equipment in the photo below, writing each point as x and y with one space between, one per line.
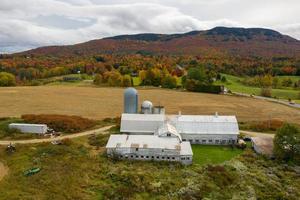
32 171
10 148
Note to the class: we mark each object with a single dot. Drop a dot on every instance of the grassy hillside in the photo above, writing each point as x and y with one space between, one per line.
234 84
77 170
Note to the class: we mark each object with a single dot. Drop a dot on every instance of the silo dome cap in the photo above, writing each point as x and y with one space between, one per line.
130 91
147 104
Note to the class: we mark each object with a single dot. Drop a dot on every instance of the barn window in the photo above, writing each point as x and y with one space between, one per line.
147 156
210 140
152 157
203 141
191 140
197 141
184 140
136 149
169 134
131 156
162 157
187 158
137 156
217 141
173 158
142 156
157 157
183 158
168 158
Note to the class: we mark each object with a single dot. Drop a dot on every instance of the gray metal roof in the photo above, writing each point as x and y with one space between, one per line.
148 142
141 123
205 124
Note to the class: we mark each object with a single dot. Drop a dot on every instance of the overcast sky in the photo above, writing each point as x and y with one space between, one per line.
26 24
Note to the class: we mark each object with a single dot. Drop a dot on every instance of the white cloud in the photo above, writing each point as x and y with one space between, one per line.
34 23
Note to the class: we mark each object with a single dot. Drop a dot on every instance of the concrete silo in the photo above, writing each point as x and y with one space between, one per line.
147 107
130 101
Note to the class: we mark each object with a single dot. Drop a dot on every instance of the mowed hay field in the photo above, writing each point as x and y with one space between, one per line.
99 103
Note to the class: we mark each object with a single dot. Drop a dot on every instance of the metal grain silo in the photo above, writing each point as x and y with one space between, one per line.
130 101
147 107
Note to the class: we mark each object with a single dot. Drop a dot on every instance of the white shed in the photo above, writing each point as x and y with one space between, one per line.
29 128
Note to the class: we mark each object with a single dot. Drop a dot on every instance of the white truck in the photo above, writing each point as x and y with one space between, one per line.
30 128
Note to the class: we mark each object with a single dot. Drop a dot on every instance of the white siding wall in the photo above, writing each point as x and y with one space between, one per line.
210 139
150 154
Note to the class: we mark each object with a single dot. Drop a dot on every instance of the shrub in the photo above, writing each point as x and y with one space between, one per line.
63 123
267 125
169 82
98 79
287 143
266 92
127 81
7 79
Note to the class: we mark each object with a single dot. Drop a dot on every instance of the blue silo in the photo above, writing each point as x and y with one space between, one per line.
130 100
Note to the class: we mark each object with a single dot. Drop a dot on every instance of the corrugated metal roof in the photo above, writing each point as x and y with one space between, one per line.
141 123
205 124
149 142
168 128
22 124
143 117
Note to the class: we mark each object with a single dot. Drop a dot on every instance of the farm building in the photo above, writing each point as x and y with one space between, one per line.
153 135
197 129
150 147
263 145
29 128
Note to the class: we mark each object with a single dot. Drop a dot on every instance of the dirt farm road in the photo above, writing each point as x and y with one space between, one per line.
75 135
257 134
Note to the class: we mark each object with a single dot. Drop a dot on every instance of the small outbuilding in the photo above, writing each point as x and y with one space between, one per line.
29 128
263 145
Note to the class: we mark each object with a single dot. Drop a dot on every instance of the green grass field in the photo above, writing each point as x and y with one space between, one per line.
76 170
213 154
233 83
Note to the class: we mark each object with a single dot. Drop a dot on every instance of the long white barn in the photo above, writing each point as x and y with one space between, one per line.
197 129
162 147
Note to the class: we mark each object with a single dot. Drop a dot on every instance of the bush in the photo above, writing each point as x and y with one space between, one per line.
266 92
127 81
7 79
287 143
268 125
98 79
196 86
62 123
169 82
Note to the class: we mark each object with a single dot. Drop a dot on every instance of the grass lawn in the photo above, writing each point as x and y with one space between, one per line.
213 154
233 83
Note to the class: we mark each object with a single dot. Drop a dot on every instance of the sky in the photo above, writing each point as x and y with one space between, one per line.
26 24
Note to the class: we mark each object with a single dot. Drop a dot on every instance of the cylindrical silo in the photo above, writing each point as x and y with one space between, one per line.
159 110
130 101
146 107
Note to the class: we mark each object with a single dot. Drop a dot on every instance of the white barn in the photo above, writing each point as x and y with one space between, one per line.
207 129
150 147
197 129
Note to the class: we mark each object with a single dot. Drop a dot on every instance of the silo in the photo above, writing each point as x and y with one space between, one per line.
147 107
159 110
130 101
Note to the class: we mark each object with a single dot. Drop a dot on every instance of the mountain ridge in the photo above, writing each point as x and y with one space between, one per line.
244 42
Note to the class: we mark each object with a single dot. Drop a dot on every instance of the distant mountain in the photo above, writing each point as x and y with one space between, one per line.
217 41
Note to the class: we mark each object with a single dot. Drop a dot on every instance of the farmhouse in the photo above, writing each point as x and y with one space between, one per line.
153 135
